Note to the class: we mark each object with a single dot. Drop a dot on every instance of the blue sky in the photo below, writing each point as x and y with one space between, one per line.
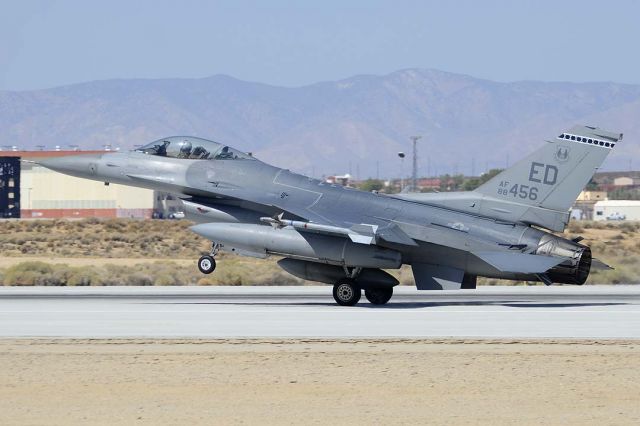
291 43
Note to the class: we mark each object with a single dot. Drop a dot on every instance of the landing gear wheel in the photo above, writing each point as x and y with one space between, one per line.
378 296
346 292
207 264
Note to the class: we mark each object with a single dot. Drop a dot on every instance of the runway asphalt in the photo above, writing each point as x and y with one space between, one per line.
587 312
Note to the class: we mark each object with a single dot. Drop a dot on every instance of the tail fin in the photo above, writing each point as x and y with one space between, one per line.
551 178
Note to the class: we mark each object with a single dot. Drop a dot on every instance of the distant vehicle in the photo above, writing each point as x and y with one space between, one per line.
345 237
177 215
616 216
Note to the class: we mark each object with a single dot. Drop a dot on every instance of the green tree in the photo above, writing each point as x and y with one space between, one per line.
371 185
592 185
485 177
471 184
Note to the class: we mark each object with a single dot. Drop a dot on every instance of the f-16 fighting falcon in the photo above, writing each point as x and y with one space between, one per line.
347 238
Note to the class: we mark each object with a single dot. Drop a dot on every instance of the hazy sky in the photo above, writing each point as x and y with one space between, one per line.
291 43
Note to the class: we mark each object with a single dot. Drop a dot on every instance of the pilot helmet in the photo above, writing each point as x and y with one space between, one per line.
185 148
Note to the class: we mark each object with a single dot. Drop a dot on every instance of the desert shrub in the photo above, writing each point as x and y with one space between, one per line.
84 276
281 278
164 279
27 273
627 260
22 278
230 276
138 278
91 221
620 275
629 227
207 280
33 266
599 247
575 227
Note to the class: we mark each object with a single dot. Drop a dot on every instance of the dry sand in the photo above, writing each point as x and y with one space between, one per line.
318 382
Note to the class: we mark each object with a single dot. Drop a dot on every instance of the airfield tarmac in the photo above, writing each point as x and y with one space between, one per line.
595 312
499 355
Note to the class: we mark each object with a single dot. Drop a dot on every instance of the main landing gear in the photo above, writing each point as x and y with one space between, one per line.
207 263
347 291
378 296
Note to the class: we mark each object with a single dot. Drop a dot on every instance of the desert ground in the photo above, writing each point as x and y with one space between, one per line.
113 382
123 382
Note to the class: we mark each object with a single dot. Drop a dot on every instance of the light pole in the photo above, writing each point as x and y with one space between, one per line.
414 172
401 155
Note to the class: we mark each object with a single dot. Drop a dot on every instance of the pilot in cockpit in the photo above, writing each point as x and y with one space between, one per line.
162 149
199 153
185 150
224 154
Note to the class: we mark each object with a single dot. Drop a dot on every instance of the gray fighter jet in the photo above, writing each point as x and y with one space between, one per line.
347 238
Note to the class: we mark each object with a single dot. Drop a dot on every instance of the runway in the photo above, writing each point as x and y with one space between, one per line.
588 312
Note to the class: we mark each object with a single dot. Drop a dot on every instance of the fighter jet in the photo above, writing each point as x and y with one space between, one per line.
348 238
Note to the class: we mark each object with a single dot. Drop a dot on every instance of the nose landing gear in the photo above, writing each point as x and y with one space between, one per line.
207 263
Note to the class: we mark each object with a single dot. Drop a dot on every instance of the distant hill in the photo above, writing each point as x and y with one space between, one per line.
468 124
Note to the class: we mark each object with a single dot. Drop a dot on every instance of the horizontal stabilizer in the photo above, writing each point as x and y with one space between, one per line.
597 264
521 263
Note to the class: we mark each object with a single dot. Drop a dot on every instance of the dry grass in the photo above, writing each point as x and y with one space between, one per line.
161 252
615 243
232 271
112 238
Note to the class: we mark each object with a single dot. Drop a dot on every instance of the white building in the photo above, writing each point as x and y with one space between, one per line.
28 190
630 209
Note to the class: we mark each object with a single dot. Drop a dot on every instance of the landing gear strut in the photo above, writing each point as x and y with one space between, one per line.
207 263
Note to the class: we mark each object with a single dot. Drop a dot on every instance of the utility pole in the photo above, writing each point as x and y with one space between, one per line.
414 174
401 156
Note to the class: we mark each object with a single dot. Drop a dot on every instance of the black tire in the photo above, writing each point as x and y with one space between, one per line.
206 264
378 296
346 292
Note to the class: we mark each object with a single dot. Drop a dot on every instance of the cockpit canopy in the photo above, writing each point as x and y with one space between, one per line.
192 148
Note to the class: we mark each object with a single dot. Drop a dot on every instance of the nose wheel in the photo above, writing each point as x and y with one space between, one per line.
207 263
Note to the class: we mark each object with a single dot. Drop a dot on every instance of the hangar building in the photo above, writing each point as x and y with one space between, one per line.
608 209
28 190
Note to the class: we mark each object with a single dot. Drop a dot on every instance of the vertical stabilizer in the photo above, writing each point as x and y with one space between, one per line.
544 185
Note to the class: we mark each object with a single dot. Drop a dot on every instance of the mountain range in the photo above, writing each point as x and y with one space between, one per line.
358 125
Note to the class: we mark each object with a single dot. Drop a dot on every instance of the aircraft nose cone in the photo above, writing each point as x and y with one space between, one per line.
78 165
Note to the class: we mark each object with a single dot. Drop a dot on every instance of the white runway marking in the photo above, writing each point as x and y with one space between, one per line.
220 312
